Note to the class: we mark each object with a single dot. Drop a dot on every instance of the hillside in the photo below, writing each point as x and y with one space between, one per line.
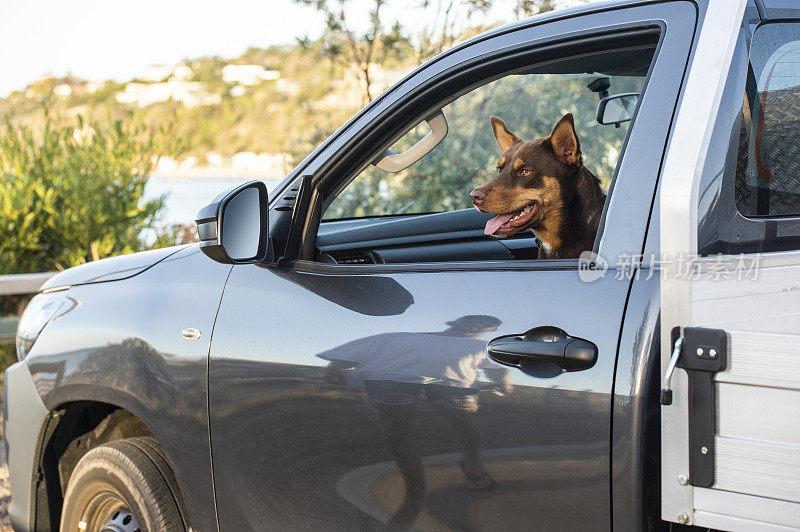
264 110
267 106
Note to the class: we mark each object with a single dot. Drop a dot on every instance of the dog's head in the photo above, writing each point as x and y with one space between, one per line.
535 179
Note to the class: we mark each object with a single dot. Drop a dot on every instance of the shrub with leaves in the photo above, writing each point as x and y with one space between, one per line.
72 191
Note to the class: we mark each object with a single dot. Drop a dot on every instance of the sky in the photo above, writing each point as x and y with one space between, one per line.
118 39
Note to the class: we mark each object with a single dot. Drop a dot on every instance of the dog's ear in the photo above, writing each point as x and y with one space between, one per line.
565 141
505 138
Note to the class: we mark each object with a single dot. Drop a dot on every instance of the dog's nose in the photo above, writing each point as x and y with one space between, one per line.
477 196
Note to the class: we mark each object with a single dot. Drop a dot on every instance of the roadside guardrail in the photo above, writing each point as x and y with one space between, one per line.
17 284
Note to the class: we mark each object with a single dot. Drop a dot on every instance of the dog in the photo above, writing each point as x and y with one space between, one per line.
542 185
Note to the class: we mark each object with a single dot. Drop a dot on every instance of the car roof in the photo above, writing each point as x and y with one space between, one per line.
558 14
567 12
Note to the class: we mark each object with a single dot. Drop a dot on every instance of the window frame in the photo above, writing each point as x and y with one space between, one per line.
523 47
332 187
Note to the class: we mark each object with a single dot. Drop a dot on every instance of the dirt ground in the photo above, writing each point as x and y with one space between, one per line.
7 356
5 498
5 490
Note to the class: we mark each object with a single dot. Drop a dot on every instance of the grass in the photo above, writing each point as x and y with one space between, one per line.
7 357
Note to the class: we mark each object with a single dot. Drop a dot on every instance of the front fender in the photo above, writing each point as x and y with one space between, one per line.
121 344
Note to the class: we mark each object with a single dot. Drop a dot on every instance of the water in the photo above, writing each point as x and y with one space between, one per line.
187 196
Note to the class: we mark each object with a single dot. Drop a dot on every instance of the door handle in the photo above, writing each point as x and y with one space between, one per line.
548 344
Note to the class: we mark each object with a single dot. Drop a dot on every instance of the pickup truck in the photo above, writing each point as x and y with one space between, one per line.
351 351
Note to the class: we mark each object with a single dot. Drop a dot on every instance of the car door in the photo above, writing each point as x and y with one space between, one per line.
299 440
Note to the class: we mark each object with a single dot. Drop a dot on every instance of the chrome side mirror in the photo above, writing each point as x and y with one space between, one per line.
234 229
617 109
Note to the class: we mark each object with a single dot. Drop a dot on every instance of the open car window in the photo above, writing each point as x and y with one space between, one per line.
441 181
428 204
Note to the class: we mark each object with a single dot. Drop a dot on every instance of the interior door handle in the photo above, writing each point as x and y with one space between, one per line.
549 344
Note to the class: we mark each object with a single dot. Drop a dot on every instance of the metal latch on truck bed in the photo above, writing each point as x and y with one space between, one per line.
702 353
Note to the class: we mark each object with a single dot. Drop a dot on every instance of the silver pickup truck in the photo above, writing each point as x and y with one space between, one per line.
361 349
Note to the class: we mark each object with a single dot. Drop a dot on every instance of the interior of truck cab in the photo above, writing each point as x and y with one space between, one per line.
411 203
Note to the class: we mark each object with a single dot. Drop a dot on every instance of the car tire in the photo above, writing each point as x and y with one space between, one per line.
124 485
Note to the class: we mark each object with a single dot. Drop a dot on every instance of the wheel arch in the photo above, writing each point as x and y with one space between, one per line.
81 418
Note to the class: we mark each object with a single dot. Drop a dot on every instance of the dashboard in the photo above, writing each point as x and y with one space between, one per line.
439 237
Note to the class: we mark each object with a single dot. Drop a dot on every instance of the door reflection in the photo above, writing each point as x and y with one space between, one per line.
446 370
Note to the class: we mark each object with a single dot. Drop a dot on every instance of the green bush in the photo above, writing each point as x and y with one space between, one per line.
71 191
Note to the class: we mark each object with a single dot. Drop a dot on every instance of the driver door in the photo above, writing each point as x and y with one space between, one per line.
356 395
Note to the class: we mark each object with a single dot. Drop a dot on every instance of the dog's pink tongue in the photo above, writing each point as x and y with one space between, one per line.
494 224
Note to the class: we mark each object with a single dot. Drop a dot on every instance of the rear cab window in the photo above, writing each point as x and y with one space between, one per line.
750 190
768 168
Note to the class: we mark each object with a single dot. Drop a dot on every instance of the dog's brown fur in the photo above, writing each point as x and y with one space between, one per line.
549 173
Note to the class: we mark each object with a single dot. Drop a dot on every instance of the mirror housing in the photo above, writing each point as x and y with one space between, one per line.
234 228
617 108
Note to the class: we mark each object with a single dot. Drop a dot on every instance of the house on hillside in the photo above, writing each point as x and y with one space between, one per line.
159 73
188 93
248 74
381 78
156 73
182 72
94 86
62 90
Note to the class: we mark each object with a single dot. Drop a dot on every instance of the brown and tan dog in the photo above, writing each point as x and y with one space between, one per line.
543 185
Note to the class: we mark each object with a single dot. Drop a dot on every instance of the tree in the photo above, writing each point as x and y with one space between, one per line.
345 45
454 20
72 192
451 19
527 8
450 22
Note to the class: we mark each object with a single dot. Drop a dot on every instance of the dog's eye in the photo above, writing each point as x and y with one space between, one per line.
525 172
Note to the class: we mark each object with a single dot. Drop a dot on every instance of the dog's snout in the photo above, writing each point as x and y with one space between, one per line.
477 196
